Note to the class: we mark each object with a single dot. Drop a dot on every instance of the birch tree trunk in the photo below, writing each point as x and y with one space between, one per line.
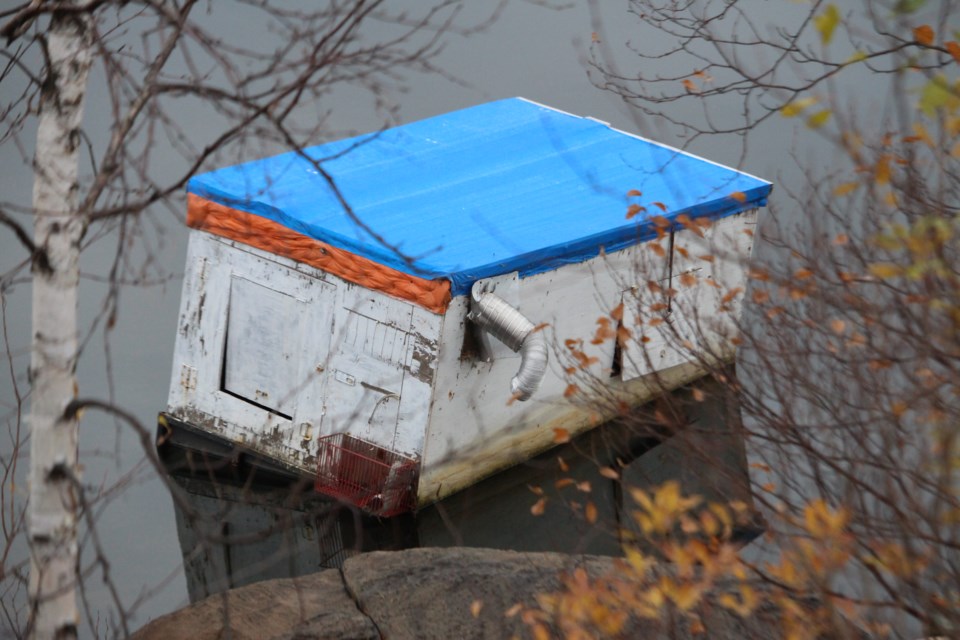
58 229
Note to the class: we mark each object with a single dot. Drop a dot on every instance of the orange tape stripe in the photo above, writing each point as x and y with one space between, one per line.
272 236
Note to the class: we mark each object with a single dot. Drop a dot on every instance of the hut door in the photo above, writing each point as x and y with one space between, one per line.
365 377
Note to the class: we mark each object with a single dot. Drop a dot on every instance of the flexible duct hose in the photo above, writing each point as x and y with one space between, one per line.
513 329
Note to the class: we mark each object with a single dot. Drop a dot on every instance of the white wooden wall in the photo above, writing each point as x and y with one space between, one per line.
307 354
474 430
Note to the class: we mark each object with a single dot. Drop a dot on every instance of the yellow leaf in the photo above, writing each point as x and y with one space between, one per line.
640 563
884 270
938 93
797 107
856 57
845 188
818 119
924 35
475 608
826 23
685 596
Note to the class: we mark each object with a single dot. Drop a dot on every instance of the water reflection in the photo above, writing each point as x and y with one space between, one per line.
238 526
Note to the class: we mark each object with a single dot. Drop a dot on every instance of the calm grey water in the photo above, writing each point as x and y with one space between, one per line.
530 51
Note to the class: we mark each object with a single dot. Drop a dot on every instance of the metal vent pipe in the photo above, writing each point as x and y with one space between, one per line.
505 323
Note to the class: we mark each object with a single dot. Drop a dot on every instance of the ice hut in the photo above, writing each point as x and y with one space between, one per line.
406 312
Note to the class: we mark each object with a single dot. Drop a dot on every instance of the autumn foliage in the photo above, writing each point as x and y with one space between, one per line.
848 371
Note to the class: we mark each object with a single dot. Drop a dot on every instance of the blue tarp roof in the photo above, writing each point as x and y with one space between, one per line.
505 186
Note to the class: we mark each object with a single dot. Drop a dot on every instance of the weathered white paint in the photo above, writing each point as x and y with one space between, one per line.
343 356
474 430
58 229
347 359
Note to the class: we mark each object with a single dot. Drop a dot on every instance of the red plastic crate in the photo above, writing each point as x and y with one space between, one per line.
375 479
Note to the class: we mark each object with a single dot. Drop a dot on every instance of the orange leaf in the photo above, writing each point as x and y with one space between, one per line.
882 170
660 221
539 507
731 295
475 608
924 35
584 486
634 192
562 464
661 206
739 196
706 257
591 512
802 274
954 50
657 249
634 209
617 313
688 279
610 473
563 482
689 85
561 435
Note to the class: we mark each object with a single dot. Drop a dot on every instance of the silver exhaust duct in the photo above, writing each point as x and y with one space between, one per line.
505 323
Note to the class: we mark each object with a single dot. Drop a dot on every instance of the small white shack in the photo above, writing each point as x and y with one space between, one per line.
407 312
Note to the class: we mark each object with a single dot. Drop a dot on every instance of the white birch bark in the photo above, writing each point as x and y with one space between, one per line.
58 229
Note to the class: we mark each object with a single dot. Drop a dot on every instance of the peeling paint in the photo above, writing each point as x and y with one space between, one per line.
423 359
524 441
